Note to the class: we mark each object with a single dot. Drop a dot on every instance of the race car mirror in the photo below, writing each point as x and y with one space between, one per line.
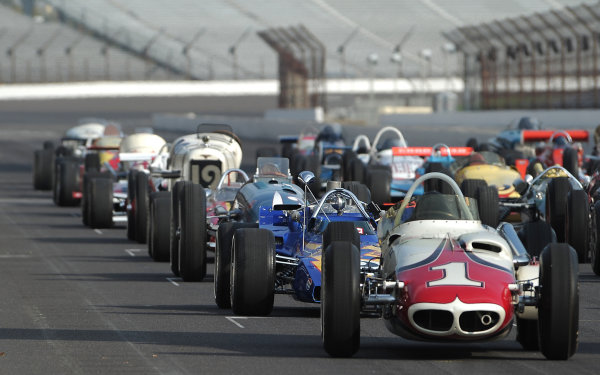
306 177
520 186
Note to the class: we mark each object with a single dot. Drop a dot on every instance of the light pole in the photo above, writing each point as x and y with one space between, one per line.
233 51
341 50
448 49
396 58
372 61
426 55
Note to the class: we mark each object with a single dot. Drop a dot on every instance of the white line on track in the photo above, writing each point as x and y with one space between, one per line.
132 251
233 319
98 231
4 256
172 281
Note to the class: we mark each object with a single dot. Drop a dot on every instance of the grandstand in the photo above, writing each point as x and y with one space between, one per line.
217 39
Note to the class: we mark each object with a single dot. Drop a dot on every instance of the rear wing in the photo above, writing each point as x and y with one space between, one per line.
427 151
545 135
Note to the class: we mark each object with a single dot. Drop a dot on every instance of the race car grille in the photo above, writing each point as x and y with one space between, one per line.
434 320
478 321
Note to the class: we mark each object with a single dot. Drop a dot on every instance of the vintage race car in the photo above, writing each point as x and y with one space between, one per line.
196 184
282 255
104 190
389 167
557 198
57 169
443 276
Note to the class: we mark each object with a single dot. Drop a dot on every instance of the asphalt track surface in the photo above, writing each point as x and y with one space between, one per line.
79 301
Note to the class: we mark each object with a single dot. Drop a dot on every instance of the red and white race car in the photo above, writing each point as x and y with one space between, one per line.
444 276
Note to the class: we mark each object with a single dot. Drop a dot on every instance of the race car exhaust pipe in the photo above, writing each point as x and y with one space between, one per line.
486 319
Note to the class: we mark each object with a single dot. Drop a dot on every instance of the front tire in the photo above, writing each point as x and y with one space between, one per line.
192 229
556 205
223 261
576 227
100 202
558 305
141 207
253 272
340 299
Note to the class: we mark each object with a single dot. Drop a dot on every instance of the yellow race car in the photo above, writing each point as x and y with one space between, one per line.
490 167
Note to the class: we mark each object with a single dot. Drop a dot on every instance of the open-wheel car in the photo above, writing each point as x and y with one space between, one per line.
446 277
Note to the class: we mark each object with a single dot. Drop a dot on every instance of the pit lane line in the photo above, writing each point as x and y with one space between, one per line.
132 252
98 231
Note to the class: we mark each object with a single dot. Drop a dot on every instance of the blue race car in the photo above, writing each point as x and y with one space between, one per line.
283 254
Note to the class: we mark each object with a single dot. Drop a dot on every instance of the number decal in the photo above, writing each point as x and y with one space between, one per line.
454 274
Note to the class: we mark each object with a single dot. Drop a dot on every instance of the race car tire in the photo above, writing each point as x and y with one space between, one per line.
100 202
558 305
556 205
43 164
48 145
570 161
131 176
536 235
297 163
436 184
379 182
595 255
174 227
347 159
141 207
358 170
313 164
223 261
527 334
287 149
252 272
576 225
361 191
85 194
67 170
159 220
338 231
192 229
92 162
534 168
469 187
488 205
340 299
266 152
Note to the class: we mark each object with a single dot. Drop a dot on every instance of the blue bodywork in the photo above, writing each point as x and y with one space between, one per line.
301 268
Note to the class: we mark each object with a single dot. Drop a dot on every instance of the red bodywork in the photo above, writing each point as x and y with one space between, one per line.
451 273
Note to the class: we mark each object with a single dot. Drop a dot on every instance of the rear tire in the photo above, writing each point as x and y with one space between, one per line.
192 227
379 182
100 202
537 234
131 177
141 207
174 227
558 306
488 205
469 187
223 261
361 191
43 163
570 161
67 171
595 256
436 184
340 299
341 231
253 272
556 205
358 170
159 220
92 162
576 225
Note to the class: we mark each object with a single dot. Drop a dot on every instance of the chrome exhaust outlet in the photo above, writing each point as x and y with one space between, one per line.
486 319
